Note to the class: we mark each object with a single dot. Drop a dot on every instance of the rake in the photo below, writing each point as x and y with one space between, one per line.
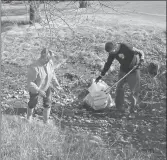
110 87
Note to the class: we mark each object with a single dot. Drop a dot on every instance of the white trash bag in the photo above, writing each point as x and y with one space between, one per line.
97 98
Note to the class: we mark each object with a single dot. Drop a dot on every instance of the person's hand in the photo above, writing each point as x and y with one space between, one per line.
42 93
97 79
140 63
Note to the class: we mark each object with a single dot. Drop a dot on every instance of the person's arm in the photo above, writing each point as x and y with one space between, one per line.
106 67
32 75
107 64
139 52
55 81
54 78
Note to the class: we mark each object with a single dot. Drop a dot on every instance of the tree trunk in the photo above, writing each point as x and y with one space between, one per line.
83 4
34 12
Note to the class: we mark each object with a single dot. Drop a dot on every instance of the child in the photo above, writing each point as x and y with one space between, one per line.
128 57
40 76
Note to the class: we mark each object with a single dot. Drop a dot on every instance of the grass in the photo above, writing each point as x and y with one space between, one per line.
113 138
155 7
36 141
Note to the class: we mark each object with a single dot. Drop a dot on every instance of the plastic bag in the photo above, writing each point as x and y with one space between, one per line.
97 98
97 87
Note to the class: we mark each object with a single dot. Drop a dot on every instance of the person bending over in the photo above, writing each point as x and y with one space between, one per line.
128 57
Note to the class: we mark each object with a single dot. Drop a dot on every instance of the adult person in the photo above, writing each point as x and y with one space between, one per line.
128 57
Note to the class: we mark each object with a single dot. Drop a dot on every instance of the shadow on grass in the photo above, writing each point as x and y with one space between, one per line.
15 111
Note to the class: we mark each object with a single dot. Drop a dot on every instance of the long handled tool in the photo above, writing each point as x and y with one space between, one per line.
109 88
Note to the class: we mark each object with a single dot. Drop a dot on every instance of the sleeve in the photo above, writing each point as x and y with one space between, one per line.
107 64
54 80
32 75
139 52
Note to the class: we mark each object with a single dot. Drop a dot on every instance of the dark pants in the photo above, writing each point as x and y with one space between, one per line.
133 81
46 101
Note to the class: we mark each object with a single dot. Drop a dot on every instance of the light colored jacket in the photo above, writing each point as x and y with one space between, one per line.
40 76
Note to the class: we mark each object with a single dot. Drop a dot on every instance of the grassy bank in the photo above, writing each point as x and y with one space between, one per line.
36 141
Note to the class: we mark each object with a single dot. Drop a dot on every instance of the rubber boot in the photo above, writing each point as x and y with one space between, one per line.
133 108
134 105
46 114
29 114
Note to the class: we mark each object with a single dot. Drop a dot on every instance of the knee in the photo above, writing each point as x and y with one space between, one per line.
120 86
119 90
47 103
32 104
33 101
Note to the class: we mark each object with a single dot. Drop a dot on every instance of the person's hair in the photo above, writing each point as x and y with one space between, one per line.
109 46
47 51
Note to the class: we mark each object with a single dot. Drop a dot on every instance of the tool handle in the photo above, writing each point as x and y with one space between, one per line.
109 88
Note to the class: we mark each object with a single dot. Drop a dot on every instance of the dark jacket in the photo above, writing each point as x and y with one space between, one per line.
126 56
